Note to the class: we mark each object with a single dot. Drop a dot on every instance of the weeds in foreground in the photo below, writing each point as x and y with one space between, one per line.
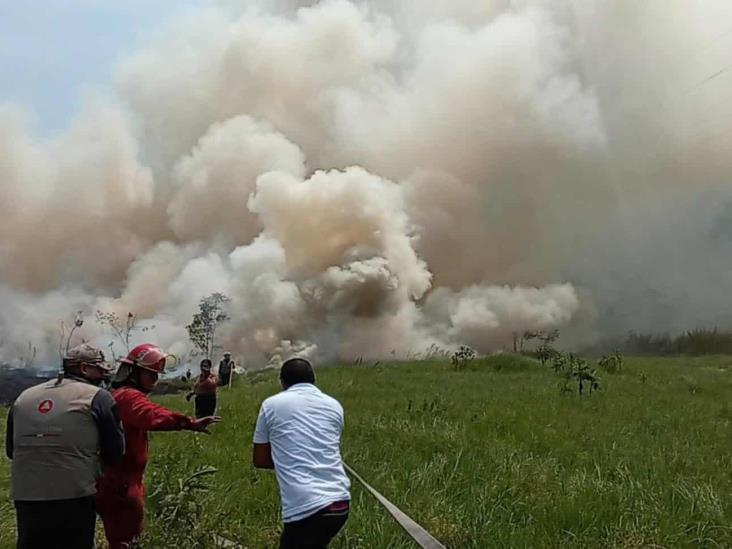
176 509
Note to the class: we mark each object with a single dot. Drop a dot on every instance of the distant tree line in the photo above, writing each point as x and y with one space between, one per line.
700 341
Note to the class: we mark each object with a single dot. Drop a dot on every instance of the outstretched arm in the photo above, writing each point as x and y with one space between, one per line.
146 415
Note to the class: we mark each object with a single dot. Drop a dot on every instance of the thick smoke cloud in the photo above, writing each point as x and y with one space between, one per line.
371 178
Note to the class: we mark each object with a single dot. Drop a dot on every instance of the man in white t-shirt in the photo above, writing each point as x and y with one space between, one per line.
298 434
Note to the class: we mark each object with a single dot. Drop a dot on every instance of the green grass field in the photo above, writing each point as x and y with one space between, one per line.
494 456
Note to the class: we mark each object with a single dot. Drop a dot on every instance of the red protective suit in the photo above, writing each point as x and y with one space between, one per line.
120 491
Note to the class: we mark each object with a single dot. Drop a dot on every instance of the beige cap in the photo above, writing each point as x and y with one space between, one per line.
87 353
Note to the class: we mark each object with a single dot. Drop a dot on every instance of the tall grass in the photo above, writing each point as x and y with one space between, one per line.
492 455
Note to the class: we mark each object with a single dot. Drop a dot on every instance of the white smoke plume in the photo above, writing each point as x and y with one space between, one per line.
371 178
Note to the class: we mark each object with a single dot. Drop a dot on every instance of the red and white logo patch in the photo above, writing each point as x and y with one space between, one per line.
45 406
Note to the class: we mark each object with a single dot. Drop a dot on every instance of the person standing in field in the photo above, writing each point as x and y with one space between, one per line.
59 434
298 434
204 391
120 491
226 368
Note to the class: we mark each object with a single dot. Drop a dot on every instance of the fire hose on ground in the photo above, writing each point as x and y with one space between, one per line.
423 538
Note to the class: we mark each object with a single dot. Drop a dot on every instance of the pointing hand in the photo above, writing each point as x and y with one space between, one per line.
202 425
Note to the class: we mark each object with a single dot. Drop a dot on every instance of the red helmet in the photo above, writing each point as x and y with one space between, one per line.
147 356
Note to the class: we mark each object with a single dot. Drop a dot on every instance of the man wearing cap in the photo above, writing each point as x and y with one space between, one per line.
226 366
59 434
121 496
298 434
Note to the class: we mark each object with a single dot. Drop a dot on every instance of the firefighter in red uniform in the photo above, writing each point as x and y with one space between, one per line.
120 492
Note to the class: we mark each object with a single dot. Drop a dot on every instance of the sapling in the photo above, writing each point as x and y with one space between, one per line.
202 329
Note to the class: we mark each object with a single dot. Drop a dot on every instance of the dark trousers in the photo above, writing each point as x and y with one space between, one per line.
224 378
61 523
205 405
315 531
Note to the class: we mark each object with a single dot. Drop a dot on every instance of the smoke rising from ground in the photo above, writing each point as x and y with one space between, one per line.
369 178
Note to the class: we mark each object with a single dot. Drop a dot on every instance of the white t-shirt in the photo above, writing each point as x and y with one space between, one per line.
303 425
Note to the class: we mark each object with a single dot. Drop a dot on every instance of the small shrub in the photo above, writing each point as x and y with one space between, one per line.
176 508
559 362
462 357
545 352
585 376
575 371
611 364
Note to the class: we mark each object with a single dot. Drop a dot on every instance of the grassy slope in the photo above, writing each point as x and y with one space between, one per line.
481 458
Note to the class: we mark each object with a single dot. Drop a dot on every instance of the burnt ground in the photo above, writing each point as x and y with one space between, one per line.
14 381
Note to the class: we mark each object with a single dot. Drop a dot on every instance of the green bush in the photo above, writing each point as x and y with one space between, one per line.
612 363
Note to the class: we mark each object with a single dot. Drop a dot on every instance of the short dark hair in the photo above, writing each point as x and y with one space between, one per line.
296 370
71 366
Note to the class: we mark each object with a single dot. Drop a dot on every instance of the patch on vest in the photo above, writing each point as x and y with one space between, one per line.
45 406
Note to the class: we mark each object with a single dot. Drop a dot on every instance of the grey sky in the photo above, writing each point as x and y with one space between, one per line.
52 50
